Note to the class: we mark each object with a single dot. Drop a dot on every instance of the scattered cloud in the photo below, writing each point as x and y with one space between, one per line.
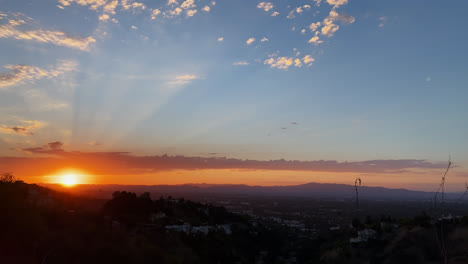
275 13
329 27
26 128
315 39
104 17
25 73
291 14
59 38
206 9
55 145
175 12
93 144
240 63
122 163
297 63
220 39
382 21
308 60
314 26
250 41
183 80
191 12
264 40
267 6
337 3
134 27
188 4
155 13
279 62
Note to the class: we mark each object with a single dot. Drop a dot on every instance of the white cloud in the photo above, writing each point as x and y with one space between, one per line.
267 6
58 38
155 13
134 27
175 12
303 31
172 2
61 7
275 13
329 27
291 15
187 4
240 63
306 6
213 3
183 79
250 41
22 127
26 73
192 12
337 3
220 39
382 21
314 26
111 6
308 60
299 10
264 40
206 9
280 62
104 17
297 63
317 2
315 39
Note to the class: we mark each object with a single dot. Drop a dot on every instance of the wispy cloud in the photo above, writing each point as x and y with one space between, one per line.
382 21
250 41
267 6
25 128
337 3
118 163
240 63
25 73
59 38
183 79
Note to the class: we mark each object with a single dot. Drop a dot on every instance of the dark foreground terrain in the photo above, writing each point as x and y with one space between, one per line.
39 225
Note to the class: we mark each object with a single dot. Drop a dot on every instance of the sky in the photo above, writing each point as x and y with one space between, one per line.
235 91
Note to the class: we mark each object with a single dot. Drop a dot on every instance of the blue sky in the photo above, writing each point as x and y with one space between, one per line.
384 79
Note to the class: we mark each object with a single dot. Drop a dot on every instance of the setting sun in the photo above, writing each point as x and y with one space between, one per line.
69 180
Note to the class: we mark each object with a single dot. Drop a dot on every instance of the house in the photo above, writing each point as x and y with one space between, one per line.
363 236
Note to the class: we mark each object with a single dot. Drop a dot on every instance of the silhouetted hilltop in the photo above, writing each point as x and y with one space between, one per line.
313 190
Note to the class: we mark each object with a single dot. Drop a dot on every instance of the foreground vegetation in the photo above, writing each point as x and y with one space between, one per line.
39 225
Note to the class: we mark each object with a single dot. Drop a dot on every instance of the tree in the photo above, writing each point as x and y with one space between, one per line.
7 178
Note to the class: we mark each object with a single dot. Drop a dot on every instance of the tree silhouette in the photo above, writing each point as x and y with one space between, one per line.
356 183
7 178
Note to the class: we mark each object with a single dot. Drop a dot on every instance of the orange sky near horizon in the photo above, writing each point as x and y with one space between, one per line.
416 181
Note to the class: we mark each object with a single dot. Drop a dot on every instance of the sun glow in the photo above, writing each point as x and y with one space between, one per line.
69 179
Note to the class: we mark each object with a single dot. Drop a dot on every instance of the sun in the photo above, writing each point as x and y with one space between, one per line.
69 180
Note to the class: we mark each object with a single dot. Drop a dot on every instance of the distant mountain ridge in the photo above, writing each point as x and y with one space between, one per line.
312 190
